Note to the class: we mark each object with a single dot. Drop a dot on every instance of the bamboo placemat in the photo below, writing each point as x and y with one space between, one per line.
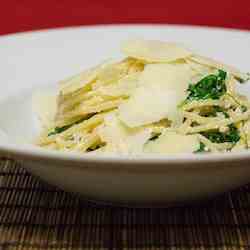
34 215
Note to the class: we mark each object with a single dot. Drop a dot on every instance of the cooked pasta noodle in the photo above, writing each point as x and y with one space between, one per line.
160 99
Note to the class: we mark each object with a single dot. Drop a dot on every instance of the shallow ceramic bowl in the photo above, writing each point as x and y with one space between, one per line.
36 60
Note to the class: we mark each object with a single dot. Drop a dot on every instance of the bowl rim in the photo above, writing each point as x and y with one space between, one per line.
150 163
42 31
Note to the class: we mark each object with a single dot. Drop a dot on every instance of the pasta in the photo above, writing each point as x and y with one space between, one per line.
161 99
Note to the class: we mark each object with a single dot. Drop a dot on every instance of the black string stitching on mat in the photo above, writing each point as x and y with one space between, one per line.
38 216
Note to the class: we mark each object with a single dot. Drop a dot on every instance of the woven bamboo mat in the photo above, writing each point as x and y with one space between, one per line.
34 215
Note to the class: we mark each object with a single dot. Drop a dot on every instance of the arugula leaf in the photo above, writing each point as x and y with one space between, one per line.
201 148
154 137
232 135
93 148
210 87
214 110
243 108
58 130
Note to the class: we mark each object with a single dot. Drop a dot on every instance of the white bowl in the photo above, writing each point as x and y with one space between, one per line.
36 60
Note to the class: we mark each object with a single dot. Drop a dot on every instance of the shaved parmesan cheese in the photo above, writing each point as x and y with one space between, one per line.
121 139
162 88
45 106
147 105
154 51
216 64
169 76
173 143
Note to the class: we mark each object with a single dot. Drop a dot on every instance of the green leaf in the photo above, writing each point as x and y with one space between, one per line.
201 148
232 135
243 108
210 87
58 130
154 137
214 110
